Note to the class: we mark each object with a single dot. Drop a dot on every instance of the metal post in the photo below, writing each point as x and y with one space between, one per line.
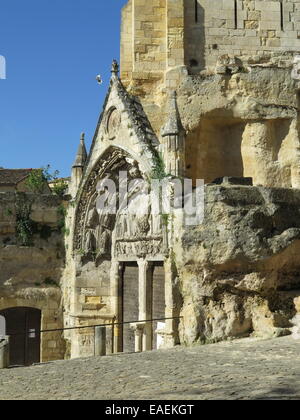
100 341
113 336
139 332
4 353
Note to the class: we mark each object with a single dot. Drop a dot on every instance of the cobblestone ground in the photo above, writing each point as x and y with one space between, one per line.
243 369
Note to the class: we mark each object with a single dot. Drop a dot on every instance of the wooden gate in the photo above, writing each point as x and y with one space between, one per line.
130 304
23 326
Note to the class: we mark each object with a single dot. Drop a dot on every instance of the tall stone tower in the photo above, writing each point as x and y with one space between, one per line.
160 35
152 40
230 62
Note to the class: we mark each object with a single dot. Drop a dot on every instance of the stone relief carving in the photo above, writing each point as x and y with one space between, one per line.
134 210
117 222
104 165
140 248
113 123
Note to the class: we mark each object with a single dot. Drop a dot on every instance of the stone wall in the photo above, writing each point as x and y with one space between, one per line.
152 40
160 35
143 44
30 272
240 28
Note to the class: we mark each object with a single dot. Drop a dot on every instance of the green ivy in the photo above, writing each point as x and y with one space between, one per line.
24 225
60 187
8 212
159 170
62 212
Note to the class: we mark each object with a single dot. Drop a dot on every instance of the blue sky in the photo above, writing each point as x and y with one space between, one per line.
53 49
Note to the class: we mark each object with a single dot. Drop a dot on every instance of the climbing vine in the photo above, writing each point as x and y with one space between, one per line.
62 213
24 224
159 170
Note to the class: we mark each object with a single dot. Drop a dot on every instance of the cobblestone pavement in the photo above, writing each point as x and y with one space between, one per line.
243 369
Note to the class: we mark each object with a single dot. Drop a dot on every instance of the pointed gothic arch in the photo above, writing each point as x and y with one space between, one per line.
108 233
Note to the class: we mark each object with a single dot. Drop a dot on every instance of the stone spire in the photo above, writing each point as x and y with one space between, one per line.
173 135
173 125
81 156
78 167
115 70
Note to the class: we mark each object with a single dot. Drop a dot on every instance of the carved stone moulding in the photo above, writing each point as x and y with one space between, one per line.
111 163
113 122
139 248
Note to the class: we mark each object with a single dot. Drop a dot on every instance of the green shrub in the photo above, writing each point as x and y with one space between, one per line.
38 178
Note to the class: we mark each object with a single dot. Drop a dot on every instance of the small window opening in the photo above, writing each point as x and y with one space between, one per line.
281 16
235 14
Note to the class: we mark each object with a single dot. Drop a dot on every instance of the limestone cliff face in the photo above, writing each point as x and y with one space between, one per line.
239 271
242 124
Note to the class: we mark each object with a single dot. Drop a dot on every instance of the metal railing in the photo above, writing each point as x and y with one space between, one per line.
100 333
82 327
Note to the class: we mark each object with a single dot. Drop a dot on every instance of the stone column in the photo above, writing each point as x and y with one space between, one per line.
100 341
145 301
4 353
139 330
257 153
294 154
171 309
295 176
115 292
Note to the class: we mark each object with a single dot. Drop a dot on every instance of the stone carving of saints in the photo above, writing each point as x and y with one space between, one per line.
90 241
106 209
134 210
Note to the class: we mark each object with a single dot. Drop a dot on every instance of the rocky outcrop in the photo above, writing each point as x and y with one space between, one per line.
240 271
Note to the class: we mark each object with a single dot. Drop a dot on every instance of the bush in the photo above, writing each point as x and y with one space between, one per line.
38 178
60 187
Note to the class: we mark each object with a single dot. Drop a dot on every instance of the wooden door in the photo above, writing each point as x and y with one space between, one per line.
130 304
23 327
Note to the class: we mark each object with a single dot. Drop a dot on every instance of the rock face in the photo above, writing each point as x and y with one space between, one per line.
239 271
243 124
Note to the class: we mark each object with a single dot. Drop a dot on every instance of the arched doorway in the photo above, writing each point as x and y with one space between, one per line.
142 300
118 234
23 327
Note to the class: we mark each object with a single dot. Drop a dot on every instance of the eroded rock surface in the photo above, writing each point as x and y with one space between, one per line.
239 270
